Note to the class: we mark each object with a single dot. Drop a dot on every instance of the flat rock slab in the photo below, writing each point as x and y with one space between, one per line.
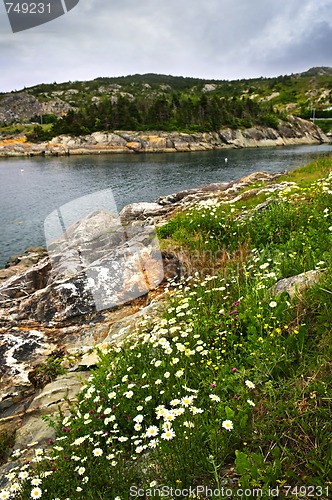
66 386
33 427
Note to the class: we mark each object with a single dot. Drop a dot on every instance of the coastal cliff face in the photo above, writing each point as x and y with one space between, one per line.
23 106
294 131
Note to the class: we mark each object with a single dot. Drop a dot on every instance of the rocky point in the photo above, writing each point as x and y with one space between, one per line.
49 310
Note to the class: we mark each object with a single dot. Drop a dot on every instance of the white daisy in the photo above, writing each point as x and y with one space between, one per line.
36 493
152 431
168 435
249 384
227 424
97 452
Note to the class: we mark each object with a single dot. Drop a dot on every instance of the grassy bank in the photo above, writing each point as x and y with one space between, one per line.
230 389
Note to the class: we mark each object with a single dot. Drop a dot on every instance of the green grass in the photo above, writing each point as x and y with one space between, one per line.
309 173
45 372
7 440
325 125
231 387
15 128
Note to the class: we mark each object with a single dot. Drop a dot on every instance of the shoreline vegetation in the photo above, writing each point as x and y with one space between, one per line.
294 131
227 387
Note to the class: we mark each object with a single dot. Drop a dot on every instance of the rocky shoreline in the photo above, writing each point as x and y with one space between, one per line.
295 131
46 313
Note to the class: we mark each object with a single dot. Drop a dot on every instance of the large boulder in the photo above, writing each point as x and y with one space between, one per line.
296 285
97 264
142 212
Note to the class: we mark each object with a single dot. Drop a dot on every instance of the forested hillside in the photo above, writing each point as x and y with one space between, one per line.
163 102
175 111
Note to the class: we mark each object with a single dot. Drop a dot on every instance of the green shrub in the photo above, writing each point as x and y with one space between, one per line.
270 121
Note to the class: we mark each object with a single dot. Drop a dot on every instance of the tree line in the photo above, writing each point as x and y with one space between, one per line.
177 112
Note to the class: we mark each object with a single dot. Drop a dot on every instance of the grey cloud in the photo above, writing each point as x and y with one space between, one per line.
209 39
312 50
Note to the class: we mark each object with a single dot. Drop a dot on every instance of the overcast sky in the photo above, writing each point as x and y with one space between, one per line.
212 39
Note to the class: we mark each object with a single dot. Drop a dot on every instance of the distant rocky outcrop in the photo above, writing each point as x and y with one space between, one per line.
294 131
16 107
22 106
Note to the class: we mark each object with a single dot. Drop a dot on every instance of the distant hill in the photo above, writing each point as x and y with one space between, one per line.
317 71
151 101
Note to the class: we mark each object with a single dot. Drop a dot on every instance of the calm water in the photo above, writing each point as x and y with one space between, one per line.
31 188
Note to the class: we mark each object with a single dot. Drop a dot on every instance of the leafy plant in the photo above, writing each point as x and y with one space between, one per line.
44 373
7 440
